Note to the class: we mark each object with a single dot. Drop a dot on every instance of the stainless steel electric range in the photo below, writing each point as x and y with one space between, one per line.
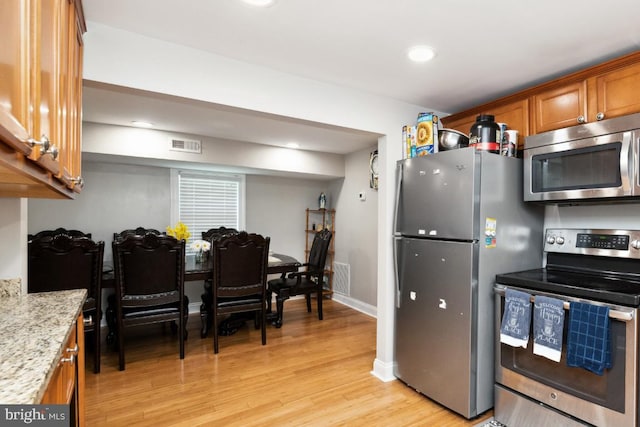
598 267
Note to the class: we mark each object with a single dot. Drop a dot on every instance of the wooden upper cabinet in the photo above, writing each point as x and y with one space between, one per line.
608 90
515 113
15 66
617 93
40 97
559 107
462 124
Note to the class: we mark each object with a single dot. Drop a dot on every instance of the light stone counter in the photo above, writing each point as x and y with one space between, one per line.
33 331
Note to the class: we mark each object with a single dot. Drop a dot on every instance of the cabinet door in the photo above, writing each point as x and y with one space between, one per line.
559 107
15 69
51 50
516 116
72 159
618 93
462 124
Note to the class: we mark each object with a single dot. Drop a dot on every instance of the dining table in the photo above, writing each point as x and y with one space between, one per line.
203 271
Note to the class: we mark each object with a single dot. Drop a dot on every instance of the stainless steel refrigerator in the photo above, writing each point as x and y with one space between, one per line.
459 221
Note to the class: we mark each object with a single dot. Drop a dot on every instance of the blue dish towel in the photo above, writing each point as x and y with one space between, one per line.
548 325
588 343
516 320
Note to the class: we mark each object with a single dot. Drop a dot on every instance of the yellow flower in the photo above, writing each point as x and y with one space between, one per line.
180 231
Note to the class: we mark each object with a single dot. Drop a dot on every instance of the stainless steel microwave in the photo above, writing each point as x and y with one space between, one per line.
592 162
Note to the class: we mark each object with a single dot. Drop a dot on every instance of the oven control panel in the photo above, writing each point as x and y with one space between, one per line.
613 243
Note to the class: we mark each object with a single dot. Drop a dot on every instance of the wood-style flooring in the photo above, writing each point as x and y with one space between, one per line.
310 373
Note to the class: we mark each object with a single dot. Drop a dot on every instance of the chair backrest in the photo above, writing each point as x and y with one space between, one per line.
140 231
60 262
218 233
149 270
240 265
60 230
319 250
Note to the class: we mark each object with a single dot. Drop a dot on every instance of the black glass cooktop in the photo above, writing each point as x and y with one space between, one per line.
610 289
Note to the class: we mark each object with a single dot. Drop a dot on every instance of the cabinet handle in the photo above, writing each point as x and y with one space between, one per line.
599 116
581 119
87 320
73 350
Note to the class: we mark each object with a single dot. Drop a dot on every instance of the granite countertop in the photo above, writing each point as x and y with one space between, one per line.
33 331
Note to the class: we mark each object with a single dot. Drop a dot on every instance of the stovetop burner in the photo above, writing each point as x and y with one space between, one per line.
598 288
599 265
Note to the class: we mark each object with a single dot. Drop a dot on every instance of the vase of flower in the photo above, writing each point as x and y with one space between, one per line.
201 249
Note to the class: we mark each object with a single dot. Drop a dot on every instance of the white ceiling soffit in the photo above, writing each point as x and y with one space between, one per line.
116 105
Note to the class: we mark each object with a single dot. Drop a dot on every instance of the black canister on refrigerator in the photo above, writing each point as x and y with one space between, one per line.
483 134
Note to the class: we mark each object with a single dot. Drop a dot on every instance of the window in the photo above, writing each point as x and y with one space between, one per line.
204 200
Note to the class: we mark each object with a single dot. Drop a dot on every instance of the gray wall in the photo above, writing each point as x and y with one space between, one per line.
118 196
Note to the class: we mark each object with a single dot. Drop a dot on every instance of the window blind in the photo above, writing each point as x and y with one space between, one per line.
208 201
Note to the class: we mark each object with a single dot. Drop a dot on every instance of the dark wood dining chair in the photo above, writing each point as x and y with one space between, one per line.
138 231
58 261
240 279
212 235
60 230
305 282
149 282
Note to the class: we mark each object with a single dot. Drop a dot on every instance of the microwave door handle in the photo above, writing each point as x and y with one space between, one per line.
627 172
625 316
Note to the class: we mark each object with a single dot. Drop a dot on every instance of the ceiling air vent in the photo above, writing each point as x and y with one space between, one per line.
186 145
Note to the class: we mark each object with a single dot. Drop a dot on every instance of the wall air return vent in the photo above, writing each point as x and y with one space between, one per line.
185 145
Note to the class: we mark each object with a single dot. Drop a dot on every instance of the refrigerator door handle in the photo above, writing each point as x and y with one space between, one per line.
396 273
399 174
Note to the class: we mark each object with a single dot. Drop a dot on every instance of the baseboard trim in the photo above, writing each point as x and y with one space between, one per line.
362 307
383 370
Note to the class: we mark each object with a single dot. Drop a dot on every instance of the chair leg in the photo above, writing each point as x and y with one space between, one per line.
268 298
263 315
280 306
205 309
308 298
215 333
121 346
181 334
96 348
320 304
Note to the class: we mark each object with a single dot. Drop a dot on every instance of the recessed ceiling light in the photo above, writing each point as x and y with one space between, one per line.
142 124
259 3
293 145
421 53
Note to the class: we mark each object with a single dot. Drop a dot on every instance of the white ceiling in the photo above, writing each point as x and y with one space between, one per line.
484 50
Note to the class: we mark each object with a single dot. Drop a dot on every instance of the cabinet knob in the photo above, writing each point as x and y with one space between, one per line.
44 143
78 180
46 146
581 119
599 116
73 350
69 359
54 152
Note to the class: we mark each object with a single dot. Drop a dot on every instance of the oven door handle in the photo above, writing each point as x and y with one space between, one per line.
625 316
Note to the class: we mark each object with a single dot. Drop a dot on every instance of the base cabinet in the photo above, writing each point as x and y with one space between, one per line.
66 386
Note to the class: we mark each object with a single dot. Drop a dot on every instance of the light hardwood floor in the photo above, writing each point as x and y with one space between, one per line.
310 373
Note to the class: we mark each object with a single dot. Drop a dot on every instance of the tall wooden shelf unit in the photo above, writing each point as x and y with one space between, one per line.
319 219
